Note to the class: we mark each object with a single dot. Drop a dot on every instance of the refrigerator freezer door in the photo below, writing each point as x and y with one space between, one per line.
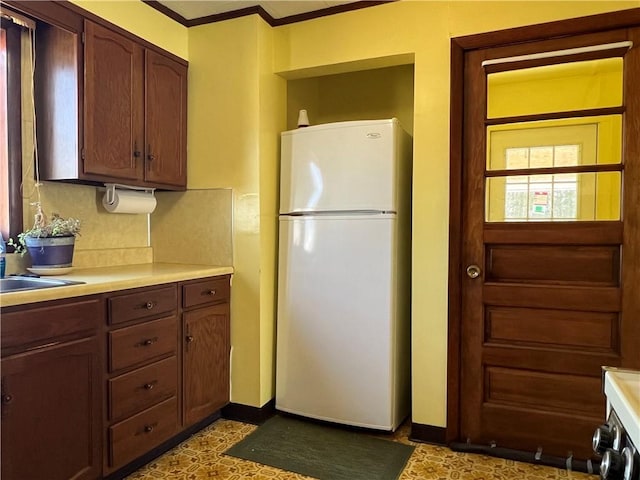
335 344
340 166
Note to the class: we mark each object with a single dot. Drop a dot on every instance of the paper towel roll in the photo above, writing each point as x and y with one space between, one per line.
130 201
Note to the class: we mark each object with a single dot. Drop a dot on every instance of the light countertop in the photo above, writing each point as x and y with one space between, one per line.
622 388
109 279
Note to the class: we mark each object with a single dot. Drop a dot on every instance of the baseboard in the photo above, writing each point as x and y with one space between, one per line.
428 434
248 414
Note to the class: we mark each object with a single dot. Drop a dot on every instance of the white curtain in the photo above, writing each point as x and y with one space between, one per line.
29 194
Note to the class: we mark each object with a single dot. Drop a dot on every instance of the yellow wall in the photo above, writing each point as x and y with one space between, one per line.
235 114
362 95
142 20
272 118
237 104
423 29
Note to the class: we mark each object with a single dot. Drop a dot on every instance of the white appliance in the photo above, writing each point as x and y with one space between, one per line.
343 331
618 440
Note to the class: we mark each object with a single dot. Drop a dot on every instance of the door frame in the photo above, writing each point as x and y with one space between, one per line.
459 47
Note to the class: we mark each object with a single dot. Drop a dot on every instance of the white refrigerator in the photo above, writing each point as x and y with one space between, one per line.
343 319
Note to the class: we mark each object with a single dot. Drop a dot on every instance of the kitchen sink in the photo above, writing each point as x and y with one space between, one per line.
15 284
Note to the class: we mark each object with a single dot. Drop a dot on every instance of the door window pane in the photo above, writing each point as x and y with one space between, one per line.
555 88
555 143
556 197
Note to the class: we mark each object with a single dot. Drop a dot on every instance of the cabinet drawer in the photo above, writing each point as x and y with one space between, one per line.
35 326
206 292
142 388
137 435
143 305
134 345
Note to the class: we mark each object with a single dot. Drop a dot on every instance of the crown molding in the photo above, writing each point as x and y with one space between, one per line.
257 9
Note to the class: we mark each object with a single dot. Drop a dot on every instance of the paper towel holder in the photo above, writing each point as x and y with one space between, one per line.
110 191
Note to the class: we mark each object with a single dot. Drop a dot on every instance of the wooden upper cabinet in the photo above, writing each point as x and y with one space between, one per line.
113 120
135 113
166 120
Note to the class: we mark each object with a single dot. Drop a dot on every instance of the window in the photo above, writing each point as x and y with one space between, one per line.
12 28
554 170
4 148
554 142
542 197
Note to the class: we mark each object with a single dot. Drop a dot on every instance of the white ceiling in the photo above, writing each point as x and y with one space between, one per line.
191 9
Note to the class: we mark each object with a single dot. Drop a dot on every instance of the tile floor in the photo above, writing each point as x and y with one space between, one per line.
201 457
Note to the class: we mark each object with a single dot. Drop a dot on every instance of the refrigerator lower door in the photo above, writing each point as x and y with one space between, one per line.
336 335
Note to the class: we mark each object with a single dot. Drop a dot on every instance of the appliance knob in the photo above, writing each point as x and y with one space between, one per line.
629 461
602 439
612 466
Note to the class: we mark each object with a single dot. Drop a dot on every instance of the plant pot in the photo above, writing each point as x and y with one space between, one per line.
50 251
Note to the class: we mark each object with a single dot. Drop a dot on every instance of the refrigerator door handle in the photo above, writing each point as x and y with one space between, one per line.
308 213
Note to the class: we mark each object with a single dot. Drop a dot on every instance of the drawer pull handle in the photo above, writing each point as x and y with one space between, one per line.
148 428
6 398
149 386
189 338
211 293
147 305
147 342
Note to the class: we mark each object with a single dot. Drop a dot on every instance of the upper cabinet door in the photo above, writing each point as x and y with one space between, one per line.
113 108
166 120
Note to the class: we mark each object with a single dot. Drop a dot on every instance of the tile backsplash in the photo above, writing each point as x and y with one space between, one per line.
186 227
193 227
100 229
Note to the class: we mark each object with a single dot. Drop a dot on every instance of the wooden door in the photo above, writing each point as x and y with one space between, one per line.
51 411
207 344
113 108
166 120
550 242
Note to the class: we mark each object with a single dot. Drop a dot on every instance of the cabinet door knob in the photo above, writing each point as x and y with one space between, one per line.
148 341
6 398
150 155
189 338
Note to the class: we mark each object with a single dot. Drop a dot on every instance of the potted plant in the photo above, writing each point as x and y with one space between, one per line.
49 242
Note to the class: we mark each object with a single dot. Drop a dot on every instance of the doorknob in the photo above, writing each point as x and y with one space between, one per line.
473 271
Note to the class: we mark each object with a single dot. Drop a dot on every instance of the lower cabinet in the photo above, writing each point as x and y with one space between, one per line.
142 373
91 384
142 432
167 363
52 397
206 347
205 361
